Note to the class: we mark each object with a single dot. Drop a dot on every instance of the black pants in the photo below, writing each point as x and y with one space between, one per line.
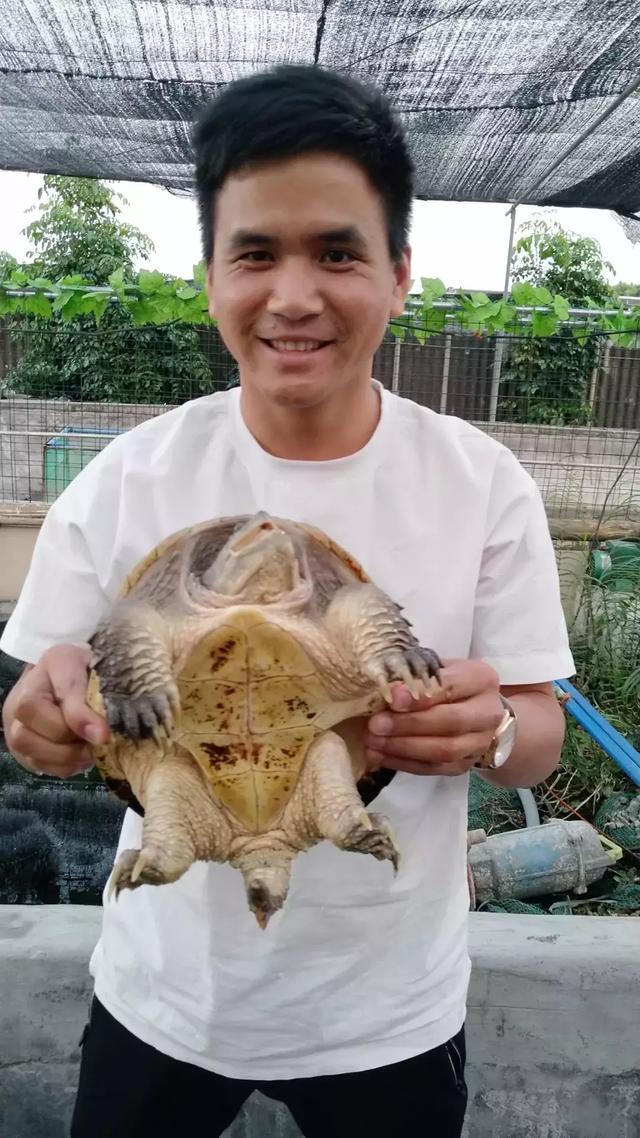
127 1089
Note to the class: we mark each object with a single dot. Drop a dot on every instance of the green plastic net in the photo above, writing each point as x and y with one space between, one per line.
619 819
511 906
493 809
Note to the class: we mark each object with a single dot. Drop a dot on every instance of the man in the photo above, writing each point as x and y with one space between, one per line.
350 1006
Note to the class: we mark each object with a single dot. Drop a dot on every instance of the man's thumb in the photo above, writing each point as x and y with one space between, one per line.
68 666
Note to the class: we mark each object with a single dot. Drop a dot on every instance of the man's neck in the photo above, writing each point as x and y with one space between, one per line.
333 429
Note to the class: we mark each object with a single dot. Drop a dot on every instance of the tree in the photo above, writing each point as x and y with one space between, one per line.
547 380
624 288
79 231
7 264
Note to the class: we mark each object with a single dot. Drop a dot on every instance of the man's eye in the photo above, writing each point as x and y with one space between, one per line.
256 256
338 257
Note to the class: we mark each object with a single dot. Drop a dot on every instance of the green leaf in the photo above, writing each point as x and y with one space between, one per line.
42 283
476 318
100 308
62 300
149 282
398 331
433 286
561 307
142 311
526 295
187 293
73 306
116 280
544 323
435 320
37 305
200 274
75 279
479 299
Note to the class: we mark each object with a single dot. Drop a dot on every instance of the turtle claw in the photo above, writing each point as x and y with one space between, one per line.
416 668
122 873
145 716
373 834
148 866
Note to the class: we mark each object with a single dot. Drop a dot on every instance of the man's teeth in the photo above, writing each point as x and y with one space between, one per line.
295 345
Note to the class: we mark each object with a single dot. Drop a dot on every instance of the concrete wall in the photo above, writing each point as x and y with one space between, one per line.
26 425
20 523
553 1032
19 527
573 466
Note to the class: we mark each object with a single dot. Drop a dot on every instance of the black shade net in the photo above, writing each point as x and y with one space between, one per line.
491 93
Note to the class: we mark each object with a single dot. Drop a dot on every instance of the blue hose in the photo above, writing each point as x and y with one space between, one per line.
601 731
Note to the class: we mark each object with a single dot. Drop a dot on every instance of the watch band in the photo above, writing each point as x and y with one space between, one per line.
501 747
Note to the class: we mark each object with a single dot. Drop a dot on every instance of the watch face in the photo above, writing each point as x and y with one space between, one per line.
505 743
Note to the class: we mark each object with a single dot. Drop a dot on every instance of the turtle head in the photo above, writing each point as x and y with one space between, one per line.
259 562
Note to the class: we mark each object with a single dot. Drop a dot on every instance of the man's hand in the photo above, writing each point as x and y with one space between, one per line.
443 734
45 718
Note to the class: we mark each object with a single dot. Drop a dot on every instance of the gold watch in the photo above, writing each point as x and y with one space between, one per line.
503 741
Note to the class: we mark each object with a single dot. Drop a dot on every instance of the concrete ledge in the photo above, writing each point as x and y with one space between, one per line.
553 1026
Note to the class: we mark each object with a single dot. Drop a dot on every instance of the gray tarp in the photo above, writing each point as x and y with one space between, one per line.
491 92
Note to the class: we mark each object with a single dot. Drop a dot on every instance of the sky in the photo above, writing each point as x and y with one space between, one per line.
464 244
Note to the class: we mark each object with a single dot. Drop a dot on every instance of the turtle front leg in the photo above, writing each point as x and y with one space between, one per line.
379 643
331 805
132 657
182 822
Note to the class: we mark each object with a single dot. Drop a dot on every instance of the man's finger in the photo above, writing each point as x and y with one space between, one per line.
409 766
431 750
479 714
41 755
69 674
459 680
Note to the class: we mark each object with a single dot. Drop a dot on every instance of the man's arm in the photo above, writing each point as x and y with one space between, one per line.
539 739
446 732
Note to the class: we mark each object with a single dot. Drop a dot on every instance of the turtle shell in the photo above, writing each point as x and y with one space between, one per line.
252 702
252 705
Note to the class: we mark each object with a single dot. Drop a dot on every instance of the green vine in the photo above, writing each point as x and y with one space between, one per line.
153 298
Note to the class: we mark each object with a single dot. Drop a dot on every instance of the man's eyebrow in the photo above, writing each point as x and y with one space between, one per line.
240 238
343 235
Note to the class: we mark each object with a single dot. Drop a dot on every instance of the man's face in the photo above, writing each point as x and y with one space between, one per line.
301 282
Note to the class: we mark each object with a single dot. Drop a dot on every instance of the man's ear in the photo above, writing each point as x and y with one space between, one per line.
402 283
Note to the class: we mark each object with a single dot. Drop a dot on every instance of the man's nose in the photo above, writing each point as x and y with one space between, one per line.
295 292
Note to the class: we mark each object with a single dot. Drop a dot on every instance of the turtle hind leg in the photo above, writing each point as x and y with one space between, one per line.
182 823
329 805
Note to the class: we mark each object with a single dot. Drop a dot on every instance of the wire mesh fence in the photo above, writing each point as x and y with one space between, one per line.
568 408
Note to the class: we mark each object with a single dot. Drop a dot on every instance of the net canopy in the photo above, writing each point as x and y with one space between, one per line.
491 91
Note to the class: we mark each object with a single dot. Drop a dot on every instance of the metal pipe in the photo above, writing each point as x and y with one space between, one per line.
58 433
395 376
444 393
499 349
628 90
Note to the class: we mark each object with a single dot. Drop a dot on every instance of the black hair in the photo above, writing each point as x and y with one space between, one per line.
292 110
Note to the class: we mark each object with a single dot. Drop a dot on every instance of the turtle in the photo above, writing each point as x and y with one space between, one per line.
236 670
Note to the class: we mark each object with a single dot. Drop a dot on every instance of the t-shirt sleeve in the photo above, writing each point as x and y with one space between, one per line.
65 591
519 626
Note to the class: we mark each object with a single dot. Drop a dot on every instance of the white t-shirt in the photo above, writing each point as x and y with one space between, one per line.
360 969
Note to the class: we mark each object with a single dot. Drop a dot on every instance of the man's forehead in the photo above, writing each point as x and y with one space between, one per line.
310 195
